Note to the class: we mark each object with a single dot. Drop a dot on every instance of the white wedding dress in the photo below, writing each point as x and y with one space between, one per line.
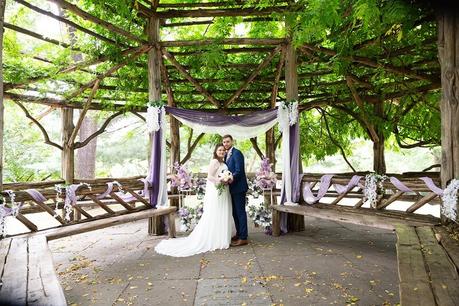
213 230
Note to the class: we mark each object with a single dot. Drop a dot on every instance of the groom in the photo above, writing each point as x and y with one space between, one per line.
238 189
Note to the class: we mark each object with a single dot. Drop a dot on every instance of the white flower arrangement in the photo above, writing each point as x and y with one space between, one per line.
373 187
190 216
6 211
224 177
260 216
449 198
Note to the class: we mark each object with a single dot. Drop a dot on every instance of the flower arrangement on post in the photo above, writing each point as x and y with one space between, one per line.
200 188
261 216
373 188
190 216
265 177
183 179
449 198
225 178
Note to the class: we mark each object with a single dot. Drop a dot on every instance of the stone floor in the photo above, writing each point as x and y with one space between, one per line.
328 264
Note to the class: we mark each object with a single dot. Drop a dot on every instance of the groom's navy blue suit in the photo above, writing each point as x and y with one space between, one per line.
238 190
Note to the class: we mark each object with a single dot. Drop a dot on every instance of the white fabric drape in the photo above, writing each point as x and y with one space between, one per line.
162 196
237 131
284 126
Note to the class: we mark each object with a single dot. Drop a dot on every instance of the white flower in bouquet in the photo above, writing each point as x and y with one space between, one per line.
224 177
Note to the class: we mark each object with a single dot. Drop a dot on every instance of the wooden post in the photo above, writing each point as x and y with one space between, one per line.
295 222
155 224
2 107
68 153
68 164
448 50
174 130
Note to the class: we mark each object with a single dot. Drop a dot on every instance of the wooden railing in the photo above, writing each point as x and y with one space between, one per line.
420 196
83 210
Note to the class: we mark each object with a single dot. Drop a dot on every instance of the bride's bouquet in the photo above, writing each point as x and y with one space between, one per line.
225 177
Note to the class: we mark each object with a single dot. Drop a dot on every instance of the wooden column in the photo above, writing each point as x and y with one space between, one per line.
174 131
2 107
68 153
295 222
155 224
448 53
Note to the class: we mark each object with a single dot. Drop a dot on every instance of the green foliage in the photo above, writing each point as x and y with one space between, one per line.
394 33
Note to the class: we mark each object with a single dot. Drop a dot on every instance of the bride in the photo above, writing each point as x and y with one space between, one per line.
214 228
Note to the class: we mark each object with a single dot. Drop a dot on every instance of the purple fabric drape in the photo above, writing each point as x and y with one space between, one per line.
155 166
294 168
215 119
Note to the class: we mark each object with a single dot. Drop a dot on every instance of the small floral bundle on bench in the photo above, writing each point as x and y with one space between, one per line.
265 177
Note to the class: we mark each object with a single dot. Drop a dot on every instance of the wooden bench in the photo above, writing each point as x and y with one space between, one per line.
428 259
428 270
363 216
27 274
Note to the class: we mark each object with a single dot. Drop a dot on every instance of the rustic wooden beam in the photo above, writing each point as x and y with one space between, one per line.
108 26
39 36
186 74
226 51
191 148
70 23
83 112
109 72
81 144
254 74
42 129
2 98
68 151
199 13
360 104
74 67
372 63
74 229
295 223
225 41
257 149
448 50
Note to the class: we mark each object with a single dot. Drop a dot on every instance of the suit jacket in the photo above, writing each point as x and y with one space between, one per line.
236 165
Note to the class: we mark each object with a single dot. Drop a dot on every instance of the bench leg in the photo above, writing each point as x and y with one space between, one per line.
276 217
156 225
171 224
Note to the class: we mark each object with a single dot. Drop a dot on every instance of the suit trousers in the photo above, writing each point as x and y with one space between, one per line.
239 214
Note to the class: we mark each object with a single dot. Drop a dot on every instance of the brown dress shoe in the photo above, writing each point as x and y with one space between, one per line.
234 238
239 242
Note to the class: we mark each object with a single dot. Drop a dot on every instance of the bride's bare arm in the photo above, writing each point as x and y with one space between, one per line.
212 174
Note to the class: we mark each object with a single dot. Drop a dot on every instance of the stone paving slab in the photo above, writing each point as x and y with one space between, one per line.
329 263
232 291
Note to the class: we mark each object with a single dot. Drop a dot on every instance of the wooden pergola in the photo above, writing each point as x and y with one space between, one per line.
281 71
269 69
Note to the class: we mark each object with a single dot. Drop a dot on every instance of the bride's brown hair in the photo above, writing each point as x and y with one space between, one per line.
215 151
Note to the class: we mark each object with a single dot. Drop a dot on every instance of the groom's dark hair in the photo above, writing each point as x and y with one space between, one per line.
228 136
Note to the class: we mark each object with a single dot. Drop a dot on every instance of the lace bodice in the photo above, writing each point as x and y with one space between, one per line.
215 167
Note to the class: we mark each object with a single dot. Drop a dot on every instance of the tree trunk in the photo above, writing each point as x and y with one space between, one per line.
86 156
2 107
379 162
448 53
